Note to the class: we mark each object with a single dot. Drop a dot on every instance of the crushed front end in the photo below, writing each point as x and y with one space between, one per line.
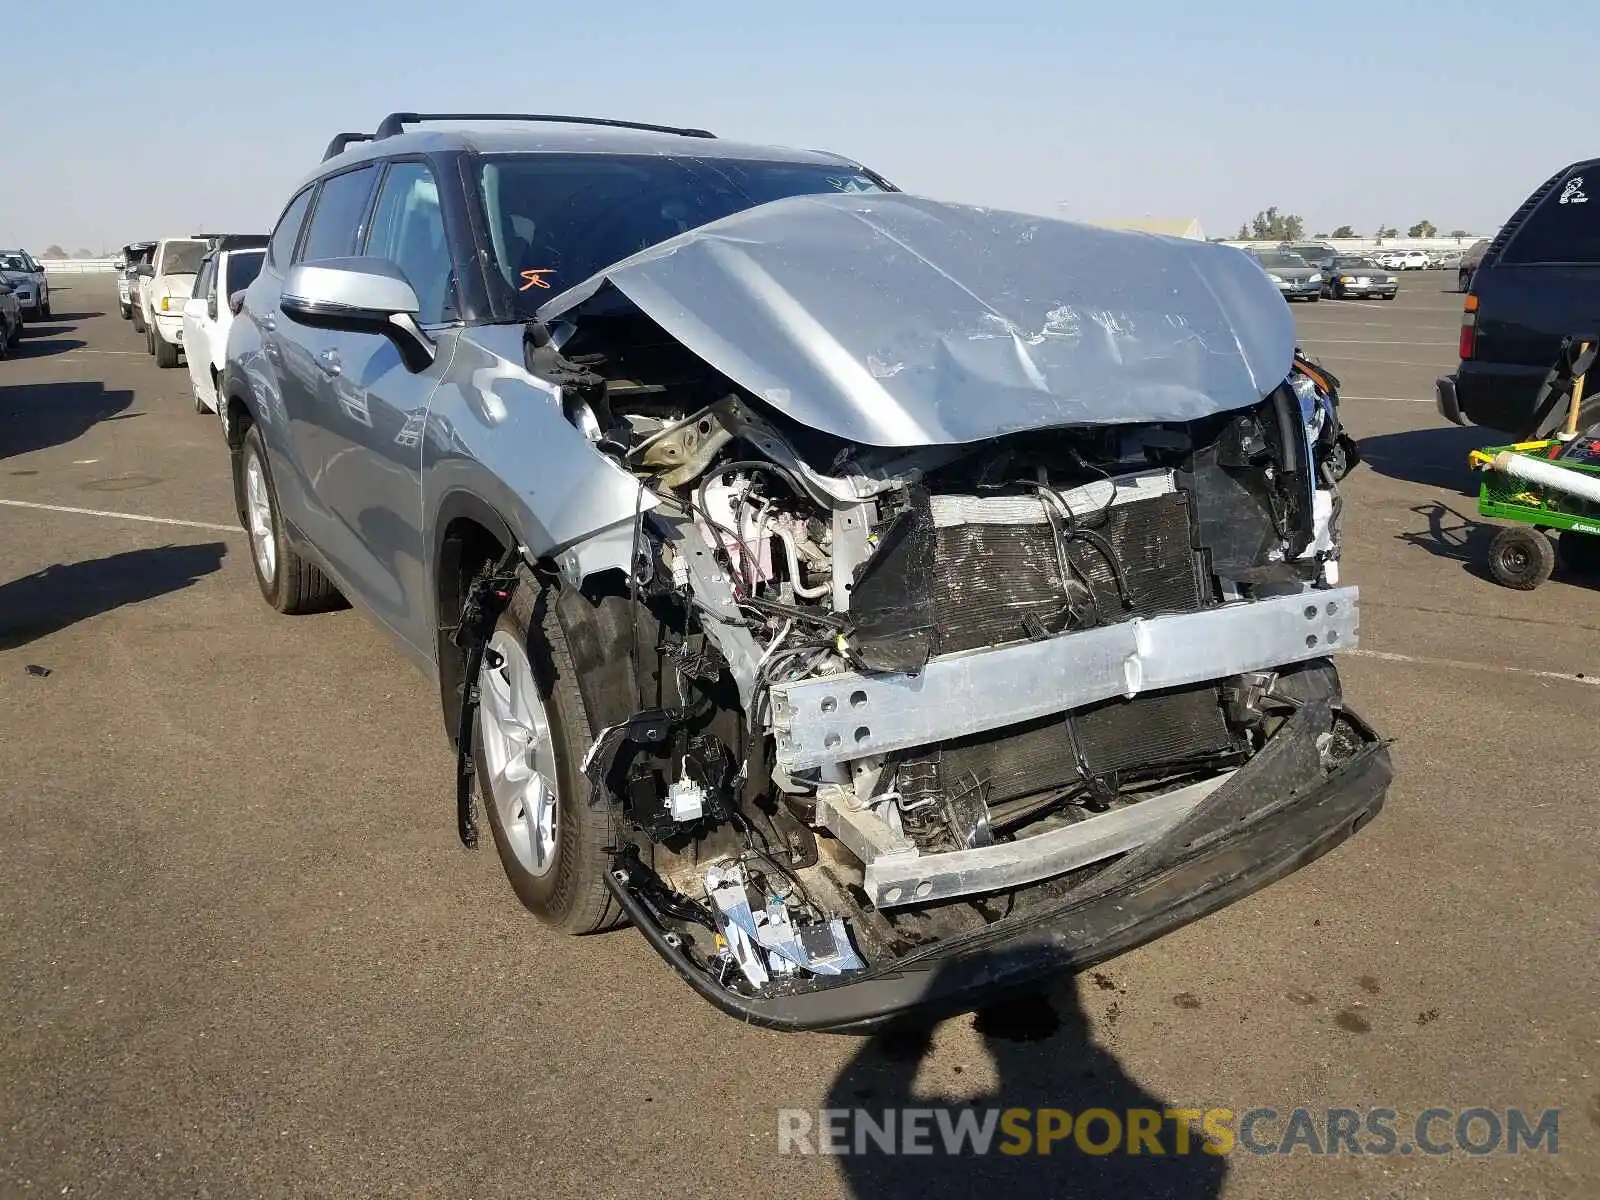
917 724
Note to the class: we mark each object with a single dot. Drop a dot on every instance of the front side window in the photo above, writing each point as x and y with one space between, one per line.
336 219
408 230
556 219
204 280
280 249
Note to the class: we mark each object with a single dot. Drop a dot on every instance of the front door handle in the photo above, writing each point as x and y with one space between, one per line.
328 360
269 322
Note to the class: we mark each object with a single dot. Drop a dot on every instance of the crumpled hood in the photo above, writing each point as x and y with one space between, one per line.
894 320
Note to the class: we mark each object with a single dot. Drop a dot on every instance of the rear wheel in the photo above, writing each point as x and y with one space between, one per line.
1521 558
287 581
532 732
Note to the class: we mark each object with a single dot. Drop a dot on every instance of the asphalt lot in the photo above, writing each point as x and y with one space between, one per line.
242 954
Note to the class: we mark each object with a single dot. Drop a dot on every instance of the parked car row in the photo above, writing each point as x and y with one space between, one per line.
1313 271
181 293
24 296
694 474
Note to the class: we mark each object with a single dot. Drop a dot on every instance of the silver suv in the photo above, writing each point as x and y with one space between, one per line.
879 603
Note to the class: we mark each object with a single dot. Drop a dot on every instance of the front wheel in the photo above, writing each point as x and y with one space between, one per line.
531 735
125 311
287 581
166 353
1521 558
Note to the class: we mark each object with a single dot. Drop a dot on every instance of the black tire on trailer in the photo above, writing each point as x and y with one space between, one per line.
288 582
1579 553
1521 557
567 890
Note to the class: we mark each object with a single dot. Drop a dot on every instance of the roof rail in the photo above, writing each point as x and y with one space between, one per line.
233 241
342 141
395 123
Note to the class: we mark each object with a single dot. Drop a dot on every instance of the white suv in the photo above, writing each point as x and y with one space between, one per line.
168 283
231 266
1411 260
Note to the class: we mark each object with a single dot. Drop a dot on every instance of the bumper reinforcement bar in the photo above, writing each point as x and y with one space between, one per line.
838 718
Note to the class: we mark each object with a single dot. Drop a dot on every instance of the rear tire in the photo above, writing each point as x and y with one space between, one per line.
569 892
1521 558
287 581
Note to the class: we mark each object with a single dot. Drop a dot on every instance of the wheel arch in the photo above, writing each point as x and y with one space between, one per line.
597 617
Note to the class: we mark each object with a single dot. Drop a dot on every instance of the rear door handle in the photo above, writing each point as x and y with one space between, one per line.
328 360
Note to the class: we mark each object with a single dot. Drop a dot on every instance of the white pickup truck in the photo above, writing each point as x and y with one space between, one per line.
165 287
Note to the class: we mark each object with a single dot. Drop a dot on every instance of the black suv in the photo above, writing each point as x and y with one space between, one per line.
1538 285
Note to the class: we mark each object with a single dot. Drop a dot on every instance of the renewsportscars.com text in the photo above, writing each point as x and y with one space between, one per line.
1216 1131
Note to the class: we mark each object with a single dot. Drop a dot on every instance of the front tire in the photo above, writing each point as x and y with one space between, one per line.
532 732
289 583
166 352
125 311
1521 558
138 320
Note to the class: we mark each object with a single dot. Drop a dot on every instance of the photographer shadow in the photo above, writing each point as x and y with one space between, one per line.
1044 1058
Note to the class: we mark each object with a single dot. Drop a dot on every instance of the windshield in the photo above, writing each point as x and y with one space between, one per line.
1281 258
11 262
1310 253
182 258
1353 264
557 219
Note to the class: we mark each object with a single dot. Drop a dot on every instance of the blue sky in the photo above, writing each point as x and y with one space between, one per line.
136 120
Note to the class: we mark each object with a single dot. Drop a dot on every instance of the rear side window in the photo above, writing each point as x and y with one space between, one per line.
336 219
242 268
281 248
1565 227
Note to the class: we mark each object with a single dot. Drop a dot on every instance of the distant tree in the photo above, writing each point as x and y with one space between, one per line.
1244 232
1458 234
1344 231
1423 229
54 251
1271 225
1390 232
81 253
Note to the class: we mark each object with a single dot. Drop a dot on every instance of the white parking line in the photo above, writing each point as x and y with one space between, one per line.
1371 342
120 516
1396 399
1563 676
131 353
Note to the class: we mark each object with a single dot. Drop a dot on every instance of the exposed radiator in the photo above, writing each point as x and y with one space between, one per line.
1148 732
992 582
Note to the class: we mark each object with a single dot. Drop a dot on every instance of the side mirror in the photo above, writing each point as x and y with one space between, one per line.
359 295
145 270
236 302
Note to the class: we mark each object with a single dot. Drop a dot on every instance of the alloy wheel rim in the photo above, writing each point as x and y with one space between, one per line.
258 508
520 752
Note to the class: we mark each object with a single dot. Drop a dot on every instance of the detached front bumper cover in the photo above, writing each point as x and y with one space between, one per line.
1272 816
